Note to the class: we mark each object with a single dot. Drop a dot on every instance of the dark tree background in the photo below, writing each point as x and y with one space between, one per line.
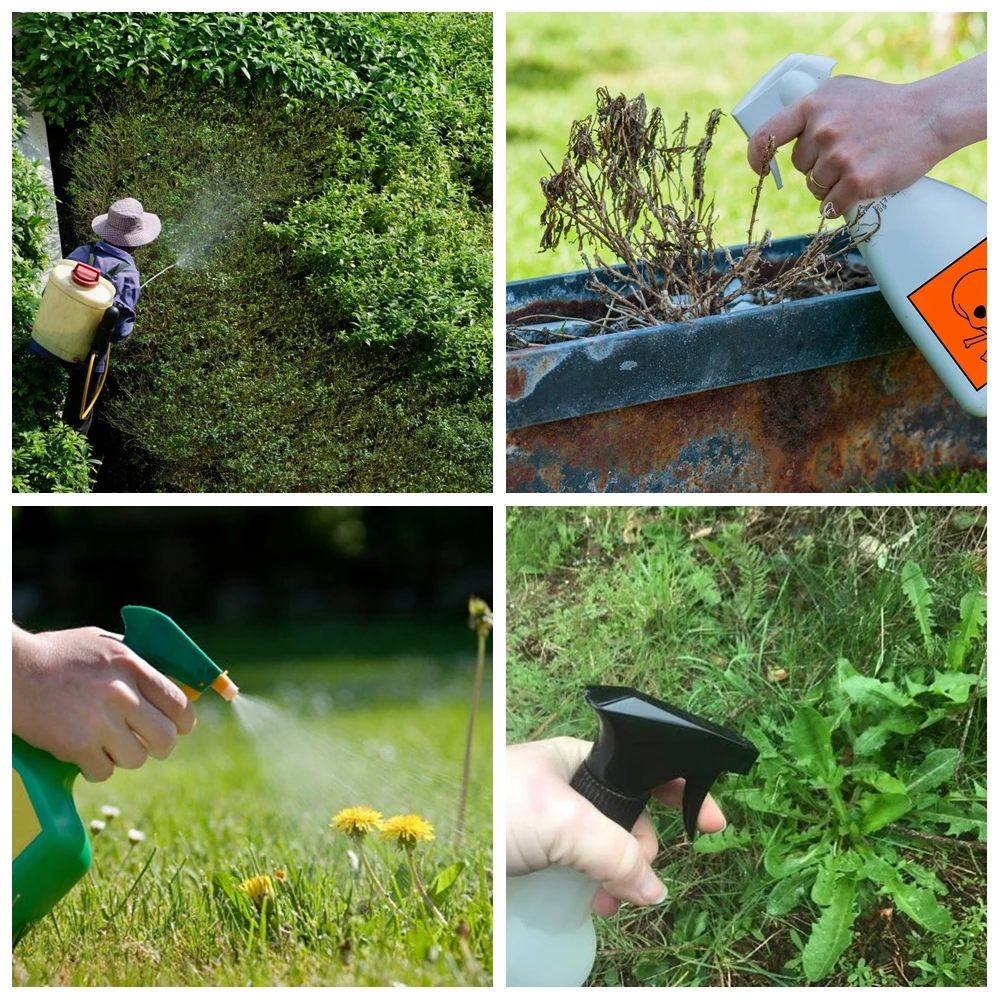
240 565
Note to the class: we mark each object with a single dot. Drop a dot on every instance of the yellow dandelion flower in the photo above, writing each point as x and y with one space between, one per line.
356 822
258 888
279 875
407 830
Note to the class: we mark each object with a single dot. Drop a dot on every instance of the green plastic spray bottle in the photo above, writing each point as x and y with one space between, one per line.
51 847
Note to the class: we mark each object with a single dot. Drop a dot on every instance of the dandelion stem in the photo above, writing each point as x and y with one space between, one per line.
464 793
423 892
372 876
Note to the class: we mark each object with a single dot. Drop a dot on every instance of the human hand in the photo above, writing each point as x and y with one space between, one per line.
87 699
859 139
548 823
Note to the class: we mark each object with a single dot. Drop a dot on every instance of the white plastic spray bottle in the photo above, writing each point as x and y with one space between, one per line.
642 743
925 246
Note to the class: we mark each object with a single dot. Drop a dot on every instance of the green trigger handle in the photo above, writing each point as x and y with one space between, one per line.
165 646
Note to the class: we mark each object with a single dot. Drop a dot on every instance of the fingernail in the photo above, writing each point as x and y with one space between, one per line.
653 891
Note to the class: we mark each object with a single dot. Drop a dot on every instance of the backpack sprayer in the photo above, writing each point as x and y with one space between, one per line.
50 846
77 318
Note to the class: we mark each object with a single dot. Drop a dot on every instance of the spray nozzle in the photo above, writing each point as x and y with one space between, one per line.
643 743
794 77
158 273
164 645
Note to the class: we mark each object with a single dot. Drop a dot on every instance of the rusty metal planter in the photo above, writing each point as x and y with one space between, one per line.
821 394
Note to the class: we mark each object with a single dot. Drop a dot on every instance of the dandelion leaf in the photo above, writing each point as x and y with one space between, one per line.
444 881
831 933
918 593
883 810
810 744
937 768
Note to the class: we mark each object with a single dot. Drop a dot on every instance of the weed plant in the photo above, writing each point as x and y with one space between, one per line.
631 192
849 644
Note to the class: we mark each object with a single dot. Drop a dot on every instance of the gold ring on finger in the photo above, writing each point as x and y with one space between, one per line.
815 183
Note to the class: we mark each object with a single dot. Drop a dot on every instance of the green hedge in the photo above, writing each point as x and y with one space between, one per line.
47 455
325 181
378 61
251 368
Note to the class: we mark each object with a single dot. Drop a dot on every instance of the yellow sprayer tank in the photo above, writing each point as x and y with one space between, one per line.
72 305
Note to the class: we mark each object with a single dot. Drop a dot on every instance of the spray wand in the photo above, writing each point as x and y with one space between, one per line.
158 273
50 846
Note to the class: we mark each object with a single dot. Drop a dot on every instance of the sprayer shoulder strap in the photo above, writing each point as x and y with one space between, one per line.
111 272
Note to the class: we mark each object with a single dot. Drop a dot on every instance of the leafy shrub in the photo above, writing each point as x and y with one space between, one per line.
463 114
240 377
406 262
48 456
377 61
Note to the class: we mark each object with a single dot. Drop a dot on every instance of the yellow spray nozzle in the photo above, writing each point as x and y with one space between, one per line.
225 687
222 685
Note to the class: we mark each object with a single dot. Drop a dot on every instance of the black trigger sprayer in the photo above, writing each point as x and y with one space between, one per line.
642 743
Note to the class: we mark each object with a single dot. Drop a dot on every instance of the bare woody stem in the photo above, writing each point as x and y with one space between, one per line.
477 685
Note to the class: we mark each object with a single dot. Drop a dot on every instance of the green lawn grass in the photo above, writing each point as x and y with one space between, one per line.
387 733
692 63
745 616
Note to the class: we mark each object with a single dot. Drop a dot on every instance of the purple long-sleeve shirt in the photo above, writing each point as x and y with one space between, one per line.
126 283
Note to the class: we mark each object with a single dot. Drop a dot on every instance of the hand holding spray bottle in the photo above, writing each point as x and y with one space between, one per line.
50 845
642 743
925 246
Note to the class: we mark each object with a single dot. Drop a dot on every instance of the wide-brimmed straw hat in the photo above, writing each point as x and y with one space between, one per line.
126 225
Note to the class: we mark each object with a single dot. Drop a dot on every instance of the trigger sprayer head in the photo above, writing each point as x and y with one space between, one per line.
165 646
794 77
643 743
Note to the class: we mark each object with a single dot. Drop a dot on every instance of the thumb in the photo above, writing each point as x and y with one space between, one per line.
610 855
785 125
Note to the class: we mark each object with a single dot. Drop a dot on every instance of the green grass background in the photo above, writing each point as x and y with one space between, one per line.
631 596
689 62
386 731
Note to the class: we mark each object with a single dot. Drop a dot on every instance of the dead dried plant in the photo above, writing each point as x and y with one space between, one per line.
636 195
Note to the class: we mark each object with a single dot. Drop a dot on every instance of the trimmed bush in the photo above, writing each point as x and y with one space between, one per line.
247 372
324 182
380 62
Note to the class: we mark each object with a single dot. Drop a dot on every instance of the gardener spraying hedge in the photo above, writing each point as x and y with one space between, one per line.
96 307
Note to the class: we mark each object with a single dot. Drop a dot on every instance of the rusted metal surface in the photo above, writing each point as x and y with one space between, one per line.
864 422
614 370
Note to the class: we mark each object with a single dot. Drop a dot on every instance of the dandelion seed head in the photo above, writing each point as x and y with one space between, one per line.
356 821
136 836
258 888
407 831
96 825
110 812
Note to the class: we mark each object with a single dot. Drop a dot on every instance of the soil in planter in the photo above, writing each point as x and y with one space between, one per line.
552 321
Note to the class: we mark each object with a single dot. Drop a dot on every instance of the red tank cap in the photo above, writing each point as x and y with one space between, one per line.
85 275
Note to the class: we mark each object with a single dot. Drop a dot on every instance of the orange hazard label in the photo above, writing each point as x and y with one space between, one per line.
953 305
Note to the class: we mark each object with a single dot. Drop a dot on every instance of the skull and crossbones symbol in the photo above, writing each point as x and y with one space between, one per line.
969 299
